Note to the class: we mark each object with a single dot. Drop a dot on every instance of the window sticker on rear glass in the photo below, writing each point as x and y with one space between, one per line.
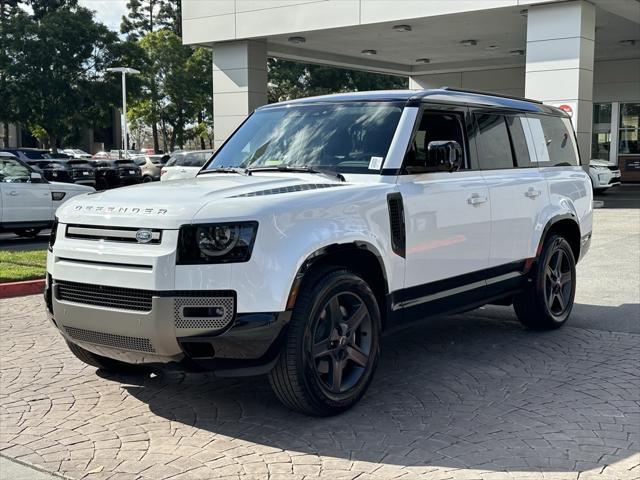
539 140
375 163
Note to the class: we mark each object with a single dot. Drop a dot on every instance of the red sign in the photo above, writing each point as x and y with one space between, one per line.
567 109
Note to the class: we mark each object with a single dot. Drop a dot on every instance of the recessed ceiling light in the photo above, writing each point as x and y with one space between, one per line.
516 53
369 52
469 43
628 43
492 47
423 60
297 40
402 28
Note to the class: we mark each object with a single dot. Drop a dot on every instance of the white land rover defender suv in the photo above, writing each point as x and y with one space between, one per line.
317 225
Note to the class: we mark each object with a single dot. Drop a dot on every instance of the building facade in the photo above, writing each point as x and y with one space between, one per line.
583 56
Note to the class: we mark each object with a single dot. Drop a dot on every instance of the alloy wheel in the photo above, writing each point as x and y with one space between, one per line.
558 283
340 343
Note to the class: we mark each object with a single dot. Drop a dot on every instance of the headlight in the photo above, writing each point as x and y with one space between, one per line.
216 243
52 236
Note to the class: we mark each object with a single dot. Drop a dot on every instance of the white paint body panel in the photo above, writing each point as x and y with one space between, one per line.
178 173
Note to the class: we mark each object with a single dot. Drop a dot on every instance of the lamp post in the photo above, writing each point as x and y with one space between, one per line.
124 71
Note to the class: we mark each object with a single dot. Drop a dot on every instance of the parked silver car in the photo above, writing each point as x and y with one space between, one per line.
150 166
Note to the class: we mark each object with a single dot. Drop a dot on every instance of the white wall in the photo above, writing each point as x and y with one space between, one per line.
616 81
505 81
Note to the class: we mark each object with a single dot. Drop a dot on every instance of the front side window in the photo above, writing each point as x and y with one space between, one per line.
345 137
554 141
494 147
433 127
629 129
13 171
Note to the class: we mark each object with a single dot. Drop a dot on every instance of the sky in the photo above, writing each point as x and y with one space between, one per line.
108 12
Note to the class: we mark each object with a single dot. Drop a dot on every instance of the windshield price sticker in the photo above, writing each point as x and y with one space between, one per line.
375 163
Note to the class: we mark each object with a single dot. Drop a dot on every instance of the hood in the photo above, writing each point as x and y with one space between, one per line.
171 204
71 187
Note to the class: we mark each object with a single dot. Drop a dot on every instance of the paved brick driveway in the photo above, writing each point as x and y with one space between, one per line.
464 398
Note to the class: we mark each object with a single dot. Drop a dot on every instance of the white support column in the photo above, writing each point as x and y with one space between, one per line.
239 84
559 69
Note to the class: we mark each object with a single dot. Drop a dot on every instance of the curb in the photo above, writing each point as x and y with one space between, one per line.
19 289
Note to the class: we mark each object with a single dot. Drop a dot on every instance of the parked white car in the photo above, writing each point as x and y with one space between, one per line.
27 201
76 153
603 175
184 164
320 223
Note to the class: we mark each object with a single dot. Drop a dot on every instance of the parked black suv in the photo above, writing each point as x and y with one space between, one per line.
112 172
57 167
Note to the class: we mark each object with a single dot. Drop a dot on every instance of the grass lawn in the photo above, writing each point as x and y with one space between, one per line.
16 266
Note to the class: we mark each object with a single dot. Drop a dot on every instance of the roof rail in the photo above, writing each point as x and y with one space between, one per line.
479 92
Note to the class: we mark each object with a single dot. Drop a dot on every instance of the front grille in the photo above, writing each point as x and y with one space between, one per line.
110 339
225 304
114 234
103 296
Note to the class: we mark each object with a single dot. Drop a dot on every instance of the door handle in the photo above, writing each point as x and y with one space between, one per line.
13 193
476 199
532 193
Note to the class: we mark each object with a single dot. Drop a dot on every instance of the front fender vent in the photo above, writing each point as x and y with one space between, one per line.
396 223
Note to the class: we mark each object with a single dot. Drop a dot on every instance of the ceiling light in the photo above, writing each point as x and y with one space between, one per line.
369 52
297 40
423 60
402 28
492 47
628 43
469 43
516 53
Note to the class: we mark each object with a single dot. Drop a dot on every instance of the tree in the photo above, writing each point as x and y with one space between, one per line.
57 59
289 80
182 76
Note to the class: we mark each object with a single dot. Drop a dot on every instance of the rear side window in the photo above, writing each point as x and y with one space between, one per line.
553 140
519 132
193 160
494 148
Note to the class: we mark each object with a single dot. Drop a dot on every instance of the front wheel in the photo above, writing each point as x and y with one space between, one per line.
147 179
332 345
548 299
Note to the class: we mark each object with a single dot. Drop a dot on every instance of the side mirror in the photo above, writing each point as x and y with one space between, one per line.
36 177
444 156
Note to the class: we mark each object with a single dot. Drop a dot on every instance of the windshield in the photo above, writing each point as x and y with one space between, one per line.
347 137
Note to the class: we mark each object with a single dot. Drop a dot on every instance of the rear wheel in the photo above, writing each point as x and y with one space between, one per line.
147 179
548 300
28 232
332 345
100 362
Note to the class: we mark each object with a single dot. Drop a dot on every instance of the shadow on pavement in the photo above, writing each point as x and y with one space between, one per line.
457 392
622 196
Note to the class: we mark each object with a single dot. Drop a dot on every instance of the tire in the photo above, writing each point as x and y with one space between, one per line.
100 362
548 300
332 346
147 179
28 232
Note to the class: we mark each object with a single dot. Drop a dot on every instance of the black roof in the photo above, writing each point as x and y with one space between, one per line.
439 95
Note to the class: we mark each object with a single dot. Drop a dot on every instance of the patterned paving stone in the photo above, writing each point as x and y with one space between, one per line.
458 398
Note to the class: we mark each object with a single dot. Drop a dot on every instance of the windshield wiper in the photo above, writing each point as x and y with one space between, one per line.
287 168
238 170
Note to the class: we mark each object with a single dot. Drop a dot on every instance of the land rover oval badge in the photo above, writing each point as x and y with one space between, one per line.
143 236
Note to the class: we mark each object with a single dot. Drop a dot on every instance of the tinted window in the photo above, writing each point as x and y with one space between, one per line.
12 171
195 159
494 148
34 155
517 125
554 141
434 126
